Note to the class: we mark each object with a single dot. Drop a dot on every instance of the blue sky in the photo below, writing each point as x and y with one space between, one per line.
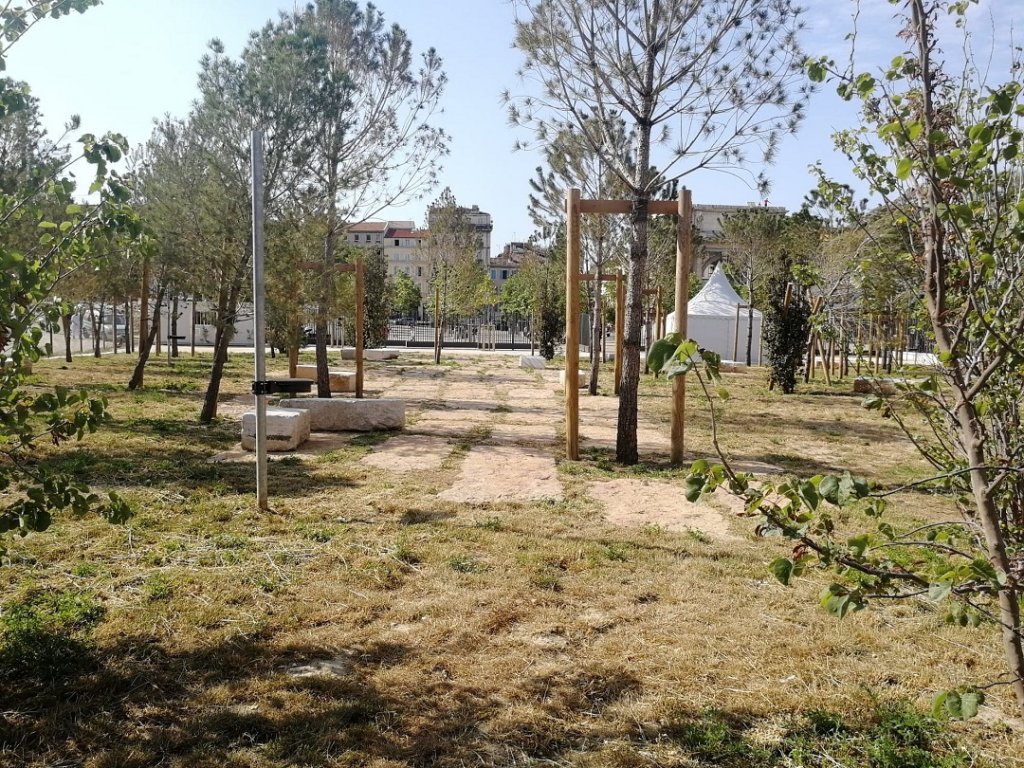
127 62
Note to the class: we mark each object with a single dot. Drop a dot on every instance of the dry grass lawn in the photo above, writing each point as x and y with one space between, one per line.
372 620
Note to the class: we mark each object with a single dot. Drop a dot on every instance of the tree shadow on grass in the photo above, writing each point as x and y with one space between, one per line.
250 701
187 468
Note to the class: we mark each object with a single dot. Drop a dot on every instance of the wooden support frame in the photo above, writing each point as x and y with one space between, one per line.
682 209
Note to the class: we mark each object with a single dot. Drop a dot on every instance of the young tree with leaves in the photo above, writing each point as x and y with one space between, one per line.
571 162
368 142
753 238
41 195
944 153
461 284
706 80
406 296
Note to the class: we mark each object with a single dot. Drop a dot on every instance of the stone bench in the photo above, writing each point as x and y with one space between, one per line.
341 381
287 429
344 414
534 362
370 355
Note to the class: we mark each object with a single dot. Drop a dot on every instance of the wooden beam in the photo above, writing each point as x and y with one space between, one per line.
654 207
605 206
572 325
606 277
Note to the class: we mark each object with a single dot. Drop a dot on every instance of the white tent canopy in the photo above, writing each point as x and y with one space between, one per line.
717 320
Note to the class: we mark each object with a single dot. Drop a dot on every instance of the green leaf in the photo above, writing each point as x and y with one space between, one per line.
859 544
809 494
939 592
903 168
828 488
693 486
660 352
782 568
969 703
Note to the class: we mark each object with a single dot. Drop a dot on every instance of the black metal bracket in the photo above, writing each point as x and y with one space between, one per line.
281 386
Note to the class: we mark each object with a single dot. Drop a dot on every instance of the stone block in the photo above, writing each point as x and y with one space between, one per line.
582 382
344 414
341 381
370 355
731 366
535 362
286 429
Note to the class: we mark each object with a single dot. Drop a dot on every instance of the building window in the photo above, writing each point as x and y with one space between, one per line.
504 274
397 242
208 317
419 271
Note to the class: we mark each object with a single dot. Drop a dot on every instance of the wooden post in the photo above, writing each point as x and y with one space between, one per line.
572 325
620 307
683 225
360 320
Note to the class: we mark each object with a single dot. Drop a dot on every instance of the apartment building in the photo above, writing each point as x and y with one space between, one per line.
503 266
483 225
400 242
708 219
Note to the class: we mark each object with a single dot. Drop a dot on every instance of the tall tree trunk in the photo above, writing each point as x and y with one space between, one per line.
227 312
597 326
625 444
145 347
65 322
144 309
172 327
750 314
128 326
97 330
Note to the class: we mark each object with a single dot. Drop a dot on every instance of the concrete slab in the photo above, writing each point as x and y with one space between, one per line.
410 453
498 473
636 503
532 362
344 414
286 429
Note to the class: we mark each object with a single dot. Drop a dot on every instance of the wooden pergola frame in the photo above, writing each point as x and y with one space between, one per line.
682 209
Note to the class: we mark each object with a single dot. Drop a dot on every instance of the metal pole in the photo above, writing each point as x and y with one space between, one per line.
259 333
572 326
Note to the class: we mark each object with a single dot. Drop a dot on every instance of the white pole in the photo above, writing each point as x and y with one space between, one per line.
259 333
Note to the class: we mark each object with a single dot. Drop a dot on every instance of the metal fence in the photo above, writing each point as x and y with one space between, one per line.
476 333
